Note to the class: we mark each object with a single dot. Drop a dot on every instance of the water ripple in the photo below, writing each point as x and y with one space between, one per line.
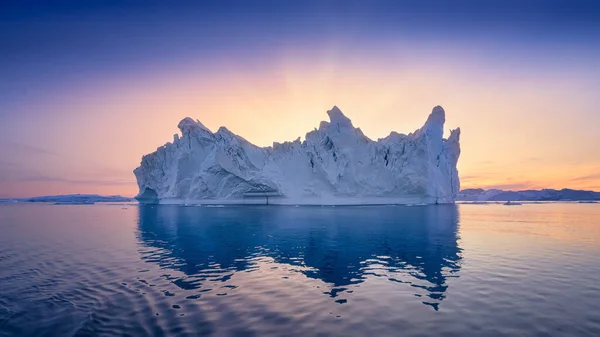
256 271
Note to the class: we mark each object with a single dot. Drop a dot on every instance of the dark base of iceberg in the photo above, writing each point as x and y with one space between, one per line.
280 200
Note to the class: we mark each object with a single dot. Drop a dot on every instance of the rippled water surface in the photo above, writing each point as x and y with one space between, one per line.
464 270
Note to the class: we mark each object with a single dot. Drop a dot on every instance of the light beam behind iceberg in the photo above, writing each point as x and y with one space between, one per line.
335 165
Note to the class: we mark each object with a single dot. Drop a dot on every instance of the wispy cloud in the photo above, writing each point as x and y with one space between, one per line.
5 164
17 173
510 186
28 163
485 162
23 152
589 177
490 180
28 149
478 176
42 178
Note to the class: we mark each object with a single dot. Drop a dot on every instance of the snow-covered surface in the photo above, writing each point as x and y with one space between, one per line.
528 195
336 164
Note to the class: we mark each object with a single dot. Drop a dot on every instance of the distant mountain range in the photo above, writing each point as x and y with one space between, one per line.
469 194
73 199
478 194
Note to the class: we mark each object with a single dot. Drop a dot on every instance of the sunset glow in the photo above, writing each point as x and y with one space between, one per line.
75 123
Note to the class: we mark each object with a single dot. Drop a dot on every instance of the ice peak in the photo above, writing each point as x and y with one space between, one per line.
188 125
223 130
437 116
337 116
186 121
454 135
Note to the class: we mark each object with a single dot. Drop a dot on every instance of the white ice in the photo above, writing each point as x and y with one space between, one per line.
336 164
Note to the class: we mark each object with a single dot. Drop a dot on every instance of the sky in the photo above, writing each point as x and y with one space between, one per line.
88 87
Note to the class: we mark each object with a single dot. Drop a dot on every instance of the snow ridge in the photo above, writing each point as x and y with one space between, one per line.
335 164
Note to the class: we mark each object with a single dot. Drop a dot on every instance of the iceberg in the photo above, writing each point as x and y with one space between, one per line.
335 164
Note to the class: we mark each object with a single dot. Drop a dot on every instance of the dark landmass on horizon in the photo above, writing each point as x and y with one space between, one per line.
72 198
469 194
478 194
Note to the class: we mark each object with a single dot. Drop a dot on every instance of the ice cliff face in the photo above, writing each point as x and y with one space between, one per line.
335 164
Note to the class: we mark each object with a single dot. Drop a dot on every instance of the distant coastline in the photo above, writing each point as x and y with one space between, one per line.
478 194
466 195
71 199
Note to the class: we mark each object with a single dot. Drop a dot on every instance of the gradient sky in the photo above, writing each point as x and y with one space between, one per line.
87 88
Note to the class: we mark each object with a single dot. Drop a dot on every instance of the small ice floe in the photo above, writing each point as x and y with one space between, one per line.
512 203
475 203
215 206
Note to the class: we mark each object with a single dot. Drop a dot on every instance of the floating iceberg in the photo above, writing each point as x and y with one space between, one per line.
336 164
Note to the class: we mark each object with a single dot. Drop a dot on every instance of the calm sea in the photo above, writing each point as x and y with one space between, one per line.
460 270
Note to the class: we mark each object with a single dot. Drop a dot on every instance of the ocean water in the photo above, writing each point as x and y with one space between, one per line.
451 270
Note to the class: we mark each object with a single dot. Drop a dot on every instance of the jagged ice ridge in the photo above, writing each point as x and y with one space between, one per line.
335 164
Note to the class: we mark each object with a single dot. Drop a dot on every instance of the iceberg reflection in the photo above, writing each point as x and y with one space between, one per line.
341 246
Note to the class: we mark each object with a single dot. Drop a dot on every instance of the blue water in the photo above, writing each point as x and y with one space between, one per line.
464 270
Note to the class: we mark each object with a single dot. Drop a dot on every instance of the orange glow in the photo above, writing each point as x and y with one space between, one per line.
520 134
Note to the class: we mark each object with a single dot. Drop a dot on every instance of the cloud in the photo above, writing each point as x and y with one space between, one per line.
76 181
510 186
25 153
5 164
485 162
490 181
593 176
16 173
478 176
32 150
